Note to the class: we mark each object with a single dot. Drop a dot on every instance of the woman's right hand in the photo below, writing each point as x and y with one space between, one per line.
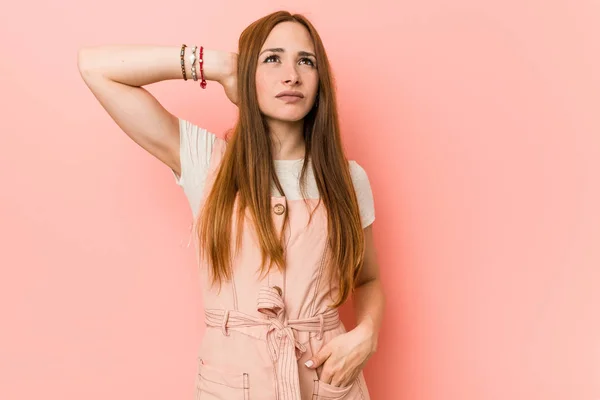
229 81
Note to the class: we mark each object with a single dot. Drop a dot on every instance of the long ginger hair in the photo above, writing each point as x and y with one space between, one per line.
247 171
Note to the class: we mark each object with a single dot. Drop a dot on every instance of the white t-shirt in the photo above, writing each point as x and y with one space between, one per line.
196 145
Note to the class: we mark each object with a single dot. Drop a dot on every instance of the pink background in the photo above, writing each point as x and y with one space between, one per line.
477 123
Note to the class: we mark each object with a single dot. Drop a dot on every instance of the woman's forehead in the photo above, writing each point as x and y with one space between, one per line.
289 36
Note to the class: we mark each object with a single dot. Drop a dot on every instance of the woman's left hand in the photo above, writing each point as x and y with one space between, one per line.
344 356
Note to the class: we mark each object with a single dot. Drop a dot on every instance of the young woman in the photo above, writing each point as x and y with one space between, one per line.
283 219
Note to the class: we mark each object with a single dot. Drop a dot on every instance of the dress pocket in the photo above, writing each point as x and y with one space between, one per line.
324 391
214 383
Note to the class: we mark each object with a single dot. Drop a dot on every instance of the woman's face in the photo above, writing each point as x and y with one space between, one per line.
287 62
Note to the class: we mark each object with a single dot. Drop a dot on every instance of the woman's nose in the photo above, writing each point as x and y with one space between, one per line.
292 75
293 78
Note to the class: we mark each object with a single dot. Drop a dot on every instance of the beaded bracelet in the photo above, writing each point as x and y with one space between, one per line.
201 62
181 54
192 58
193 62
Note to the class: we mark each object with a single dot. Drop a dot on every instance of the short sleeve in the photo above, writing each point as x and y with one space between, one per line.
195 148
364 193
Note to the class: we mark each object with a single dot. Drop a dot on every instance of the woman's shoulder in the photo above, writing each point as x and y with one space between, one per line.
364 193
357 171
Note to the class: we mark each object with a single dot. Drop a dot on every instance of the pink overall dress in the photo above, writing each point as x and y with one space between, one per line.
259 332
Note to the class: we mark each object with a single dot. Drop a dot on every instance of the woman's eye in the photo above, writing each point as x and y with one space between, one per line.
309 60
303 59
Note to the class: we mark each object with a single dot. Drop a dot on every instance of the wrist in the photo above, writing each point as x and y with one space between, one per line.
369 333
229 66
216 65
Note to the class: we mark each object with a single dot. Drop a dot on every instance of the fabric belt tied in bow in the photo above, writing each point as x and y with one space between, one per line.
284 347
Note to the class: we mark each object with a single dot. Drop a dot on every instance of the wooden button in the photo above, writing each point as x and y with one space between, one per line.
279 208
278 290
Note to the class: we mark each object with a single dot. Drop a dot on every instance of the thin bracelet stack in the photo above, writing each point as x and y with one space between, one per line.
192 59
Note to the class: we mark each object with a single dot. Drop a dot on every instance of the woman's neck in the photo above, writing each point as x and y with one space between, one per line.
287 139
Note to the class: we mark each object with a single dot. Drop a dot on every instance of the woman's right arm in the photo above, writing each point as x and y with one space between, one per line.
116 73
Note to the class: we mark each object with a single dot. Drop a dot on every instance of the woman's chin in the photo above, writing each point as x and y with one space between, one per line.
290 116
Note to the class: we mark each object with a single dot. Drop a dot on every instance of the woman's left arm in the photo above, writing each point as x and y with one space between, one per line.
346 355
369 299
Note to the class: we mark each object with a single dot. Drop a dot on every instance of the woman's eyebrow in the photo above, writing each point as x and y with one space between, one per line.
281 50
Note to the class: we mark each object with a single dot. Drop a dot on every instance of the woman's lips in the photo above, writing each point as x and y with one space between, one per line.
290 99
